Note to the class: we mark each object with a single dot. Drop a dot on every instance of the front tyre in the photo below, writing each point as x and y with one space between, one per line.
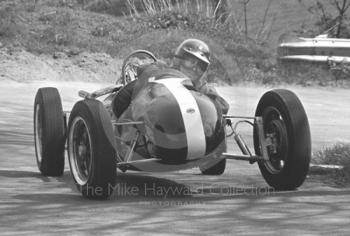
49 132
286 126
91 149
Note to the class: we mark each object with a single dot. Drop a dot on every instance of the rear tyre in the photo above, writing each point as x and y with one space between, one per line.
91 149
49 132
217 169
286 123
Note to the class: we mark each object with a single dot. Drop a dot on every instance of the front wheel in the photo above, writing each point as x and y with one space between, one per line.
286 126
91 149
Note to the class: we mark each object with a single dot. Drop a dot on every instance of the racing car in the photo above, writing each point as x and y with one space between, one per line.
168 126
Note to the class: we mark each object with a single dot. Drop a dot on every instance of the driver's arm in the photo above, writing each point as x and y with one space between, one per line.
211 92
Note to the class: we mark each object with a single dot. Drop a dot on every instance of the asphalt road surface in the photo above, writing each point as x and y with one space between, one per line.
180 203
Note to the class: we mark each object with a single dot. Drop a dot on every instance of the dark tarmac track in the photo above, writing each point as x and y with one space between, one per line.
238 202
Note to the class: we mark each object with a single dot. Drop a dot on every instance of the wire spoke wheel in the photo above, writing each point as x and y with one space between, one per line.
91 149
80 150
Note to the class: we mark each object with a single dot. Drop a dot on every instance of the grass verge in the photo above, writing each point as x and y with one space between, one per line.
338 154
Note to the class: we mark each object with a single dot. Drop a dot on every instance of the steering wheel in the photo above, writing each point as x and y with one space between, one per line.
132 62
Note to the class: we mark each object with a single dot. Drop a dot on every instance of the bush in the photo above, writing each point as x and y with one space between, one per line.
9 26
243 60
338 154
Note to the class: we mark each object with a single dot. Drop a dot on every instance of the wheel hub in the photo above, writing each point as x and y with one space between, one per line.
82 150
276 132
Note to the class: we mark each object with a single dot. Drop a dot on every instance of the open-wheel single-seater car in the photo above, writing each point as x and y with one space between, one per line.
168 126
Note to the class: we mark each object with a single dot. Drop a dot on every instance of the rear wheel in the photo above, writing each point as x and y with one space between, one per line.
286 126
49 132
91 149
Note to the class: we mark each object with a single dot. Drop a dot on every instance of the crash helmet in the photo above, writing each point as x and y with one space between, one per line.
193 56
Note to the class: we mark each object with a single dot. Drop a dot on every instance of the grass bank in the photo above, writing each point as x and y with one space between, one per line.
117 27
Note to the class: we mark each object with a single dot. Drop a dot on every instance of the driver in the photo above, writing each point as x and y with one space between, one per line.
191 59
